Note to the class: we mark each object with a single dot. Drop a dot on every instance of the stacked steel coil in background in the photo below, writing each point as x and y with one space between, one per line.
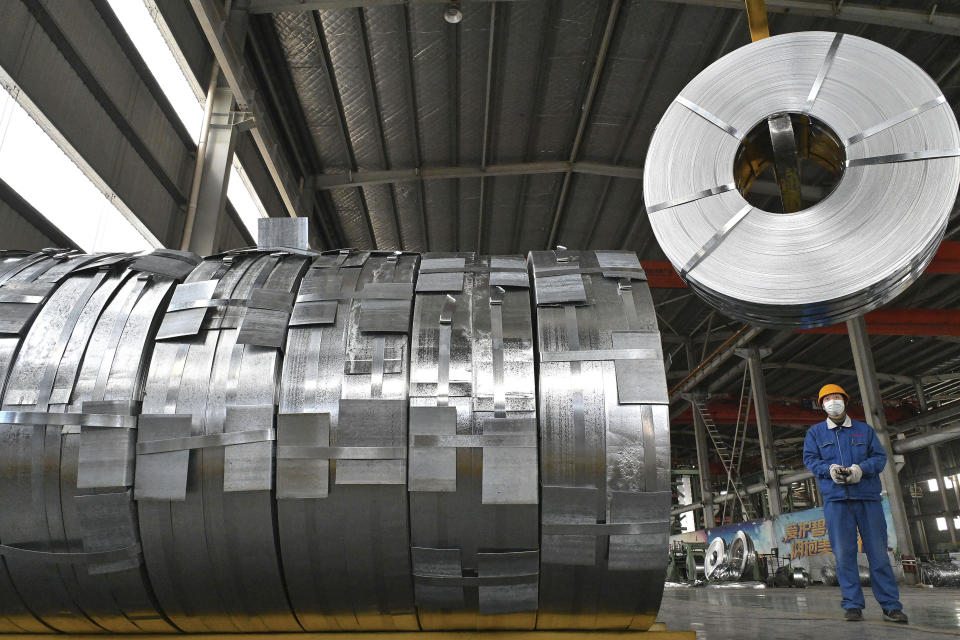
292 440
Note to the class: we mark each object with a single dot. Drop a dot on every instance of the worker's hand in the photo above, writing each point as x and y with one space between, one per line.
837 475
855 473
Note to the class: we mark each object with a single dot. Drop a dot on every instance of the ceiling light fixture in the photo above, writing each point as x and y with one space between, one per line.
453 15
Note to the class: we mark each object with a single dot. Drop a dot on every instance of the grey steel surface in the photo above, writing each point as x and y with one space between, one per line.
604 438
209 538
70 541
232 453
342 515
473 456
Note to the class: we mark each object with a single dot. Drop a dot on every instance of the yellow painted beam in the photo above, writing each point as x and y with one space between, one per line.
658 632
757 19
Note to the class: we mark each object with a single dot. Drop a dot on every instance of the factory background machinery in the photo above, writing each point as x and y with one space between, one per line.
455 130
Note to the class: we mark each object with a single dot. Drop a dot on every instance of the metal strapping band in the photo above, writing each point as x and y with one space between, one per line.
709 117
822 73
581 464
496 346
598 355
306 452
203 442
475 581
42 418
649 431
443 350
475 269
706 193
203 304
895 120
601 529
564 270
904 157
378 366
625 289
520 440
70 557
19 298
715 240
322 296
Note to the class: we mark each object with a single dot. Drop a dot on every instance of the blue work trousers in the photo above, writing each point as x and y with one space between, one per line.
844 518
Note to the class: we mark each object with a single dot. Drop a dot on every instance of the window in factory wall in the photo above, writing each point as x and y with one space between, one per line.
941 524
33 156
144 24
933 486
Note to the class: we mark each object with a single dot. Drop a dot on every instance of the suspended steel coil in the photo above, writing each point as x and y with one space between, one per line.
854 108
291 440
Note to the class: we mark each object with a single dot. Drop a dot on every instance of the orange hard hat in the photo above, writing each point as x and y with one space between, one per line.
827 389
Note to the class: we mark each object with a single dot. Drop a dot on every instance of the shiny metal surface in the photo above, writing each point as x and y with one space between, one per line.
716 556
845 255
604 442
343 524
207 515
473 445
70 540
289 440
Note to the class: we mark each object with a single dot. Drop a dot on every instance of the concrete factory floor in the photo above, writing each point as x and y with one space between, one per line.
769 614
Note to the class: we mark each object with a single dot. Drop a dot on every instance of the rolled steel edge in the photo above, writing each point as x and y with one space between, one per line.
218 539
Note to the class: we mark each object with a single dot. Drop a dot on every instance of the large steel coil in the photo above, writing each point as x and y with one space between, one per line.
293 440
716 558
852 108
604 441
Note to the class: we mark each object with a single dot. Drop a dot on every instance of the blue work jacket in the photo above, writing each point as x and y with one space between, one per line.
857 444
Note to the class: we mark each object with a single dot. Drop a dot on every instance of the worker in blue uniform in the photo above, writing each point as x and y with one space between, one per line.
846 457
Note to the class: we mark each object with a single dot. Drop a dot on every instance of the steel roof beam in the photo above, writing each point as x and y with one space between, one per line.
214 26
919 20
586 109
276 6
326 181
16 202
887 377
488 94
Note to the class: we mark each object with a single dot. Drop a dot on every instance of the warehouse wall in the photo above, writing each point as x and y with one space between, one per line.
75 62
928 507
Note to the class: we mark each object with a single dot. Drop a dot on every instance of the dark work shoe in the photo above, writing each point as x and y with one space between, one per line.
895 615
853 615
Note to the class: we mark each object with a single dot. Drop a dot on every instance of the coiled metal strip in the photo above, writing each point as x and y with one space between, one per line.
342 433
74 552
851 252
473 456
206 515
604 437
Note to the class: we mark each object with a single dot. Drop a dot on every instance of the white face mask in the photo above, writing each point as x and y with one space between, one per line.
833 407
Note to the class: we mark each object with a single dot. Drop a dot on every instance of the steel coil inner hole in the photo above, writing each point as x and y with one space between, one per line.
788 162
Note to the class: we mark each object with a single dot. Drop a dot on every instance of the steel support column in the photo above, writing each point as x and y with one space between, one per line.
201 236
222 39
873 409
768 452
937 469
